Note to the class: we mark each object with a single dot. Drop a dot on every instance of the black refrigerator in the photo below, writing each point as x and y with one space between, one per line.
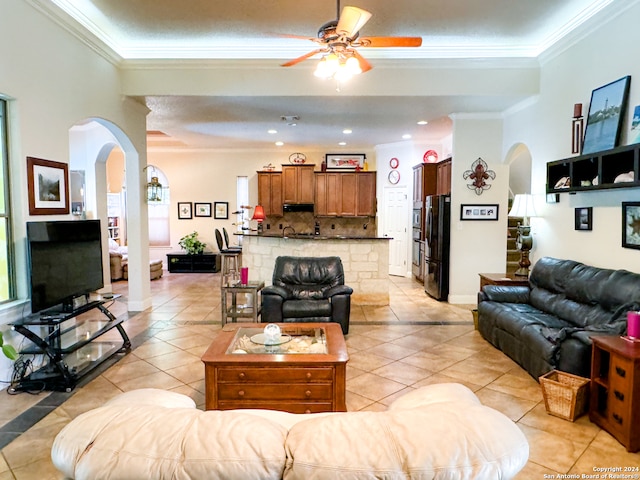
437 233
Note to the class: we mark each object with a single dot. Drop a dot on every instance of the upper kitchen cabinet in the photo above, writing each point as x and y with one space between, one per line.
443 184
297 183
270 192
345 194
424 182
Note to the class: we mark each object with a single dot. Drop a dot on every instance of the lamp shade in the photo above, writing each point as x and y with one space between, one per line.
523 207
258 214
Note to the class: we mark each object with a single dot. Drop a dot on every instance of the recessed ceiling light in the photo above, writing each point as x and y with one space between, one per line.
279 144
422 122
347 131
342 144
272 131
406 136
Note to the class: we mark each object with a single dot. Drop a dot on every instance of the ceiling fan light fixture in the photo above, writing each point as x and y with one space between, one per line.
352 66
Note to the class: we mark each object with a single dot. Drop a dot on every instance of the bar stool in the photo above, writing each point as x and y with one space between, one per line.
231 259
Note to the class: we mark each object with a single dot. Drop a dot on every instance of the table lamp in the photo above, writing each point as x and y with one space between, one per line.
523 208
259 216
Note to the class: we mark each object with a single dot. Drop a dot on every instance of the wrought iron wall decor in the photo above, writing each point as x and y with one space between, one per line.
480 174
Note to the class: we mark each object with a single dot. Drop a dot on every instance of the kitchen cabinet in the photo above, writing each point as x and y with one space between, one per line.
424 182
443 183
345 194
270 192
297 183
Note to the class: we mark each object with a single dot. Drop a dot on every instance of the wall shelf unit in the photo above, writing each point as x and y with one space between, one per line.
597 171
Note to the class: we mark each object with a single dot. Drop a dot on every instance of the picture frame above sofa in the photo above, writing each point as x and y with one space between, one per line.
631 225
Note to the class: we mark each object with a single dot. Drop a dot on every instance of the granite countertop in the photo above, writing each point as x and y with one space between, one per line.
306 236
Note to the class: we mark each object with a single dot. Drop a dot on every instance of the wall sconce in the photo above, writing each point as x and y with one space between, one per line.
154 187
259 216
523 207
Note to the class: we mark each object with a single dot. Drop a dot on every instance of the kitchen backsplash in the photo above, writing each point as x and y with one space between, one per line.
304 222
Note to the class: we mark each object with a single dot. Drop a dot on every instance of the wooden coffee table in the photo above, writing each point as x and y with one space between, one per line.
270 377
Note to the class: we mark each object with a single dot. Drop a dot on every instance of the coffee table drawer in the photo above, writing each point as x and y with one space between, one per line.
292 407
276 375
230 391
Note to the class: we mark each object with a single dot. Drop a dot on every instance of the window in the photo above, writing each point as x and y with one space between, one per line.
7 279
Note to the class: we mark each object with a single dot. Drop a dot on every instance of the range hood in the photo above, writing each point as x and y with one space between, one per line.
297 207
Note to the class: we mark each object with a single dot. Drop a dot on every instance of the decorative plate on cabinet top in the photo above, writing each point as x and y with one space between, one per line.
394 162
297 158
430 156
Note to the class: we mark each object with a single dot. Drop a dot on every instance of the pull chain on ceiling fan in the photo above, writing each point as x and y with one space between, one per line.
339 40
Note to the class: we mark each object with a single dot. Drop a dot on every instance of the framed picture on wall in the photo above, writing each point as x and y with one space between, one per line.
221 210
606 112
202 209
344 161
583 218
631 225
479 212
185 210
48 187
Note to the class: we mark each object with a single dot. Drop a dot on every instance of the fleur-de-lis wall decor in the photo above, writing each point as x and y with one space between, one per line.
480 174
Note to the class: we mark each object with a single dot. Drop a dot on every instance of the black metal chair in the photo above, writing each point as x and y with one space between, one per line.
231 258
226 241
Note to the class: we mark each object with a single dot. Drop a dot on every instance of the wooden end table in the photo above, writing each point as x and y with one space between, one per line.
502 279
234 311
292 382
615 388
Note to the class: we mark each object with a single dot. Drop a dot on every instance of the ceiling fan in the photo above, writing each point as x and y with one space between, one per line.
339 40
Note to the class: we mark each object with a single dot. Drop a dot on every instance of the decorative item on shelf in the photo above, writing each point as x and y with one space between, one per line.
269 167
191 244
430 156
154 187
259 216
607 109
578 128
523 208
633 326
479 173
272 334
297 158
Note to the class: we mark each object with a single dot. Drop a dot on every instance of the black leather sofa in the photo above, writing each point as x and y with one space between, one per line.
307 289
548 325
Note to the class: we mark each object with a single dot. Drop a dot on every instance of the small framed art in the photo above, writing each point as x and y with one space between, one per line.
202 209
185 210
221 210
583 218
345 161
48 187
479 212
631 225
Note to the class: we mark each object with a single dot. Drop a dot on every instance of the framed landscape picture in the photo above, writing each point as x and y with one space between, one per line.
344 161
48 187
606 112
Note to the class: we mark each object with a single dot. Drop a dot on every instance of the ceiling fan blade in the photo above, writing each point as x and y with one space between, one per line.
303 57
352 19
299 37
382 42
364 63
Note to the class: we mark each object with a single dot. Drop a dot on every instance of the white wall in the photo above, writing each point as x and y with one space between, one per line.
52 82
544 126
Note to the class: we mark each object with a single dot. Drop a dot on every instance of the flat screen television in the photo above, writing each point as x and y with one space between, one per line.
65 262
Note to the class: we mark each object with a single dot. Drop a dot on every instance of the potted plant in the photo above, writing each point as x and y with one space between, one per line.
191 244
7 349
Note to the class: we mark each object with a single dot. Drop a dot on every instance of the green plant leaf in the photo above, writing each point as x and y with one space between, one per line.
9 352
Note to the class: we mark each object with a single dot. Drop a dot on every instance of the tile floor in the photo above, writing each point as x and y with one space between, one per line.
415 341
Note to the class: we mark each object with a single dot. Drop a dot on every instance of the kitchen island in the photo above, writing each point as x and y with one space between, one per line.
365 260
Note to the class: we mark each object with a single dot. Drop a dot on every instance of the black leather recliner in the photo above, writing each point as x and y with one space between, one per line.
307 289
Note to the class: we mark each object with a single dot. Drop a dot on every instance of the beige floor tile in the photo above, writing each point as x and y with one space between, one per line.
129 371
192 341
155 380
154 348
188 373
364 360
582 429
513 407
356 402
173 360
428 361
440 378
517 386
394 352
374 387
402 373
357 342
552 451
472 372
39 470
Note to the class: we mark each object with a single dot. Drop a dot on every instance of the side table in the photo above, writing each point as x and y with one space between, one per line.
234 311
502 279
615 388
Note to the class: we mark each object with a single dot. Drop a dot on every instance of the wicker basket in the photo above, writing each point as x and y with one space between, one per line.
565 395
